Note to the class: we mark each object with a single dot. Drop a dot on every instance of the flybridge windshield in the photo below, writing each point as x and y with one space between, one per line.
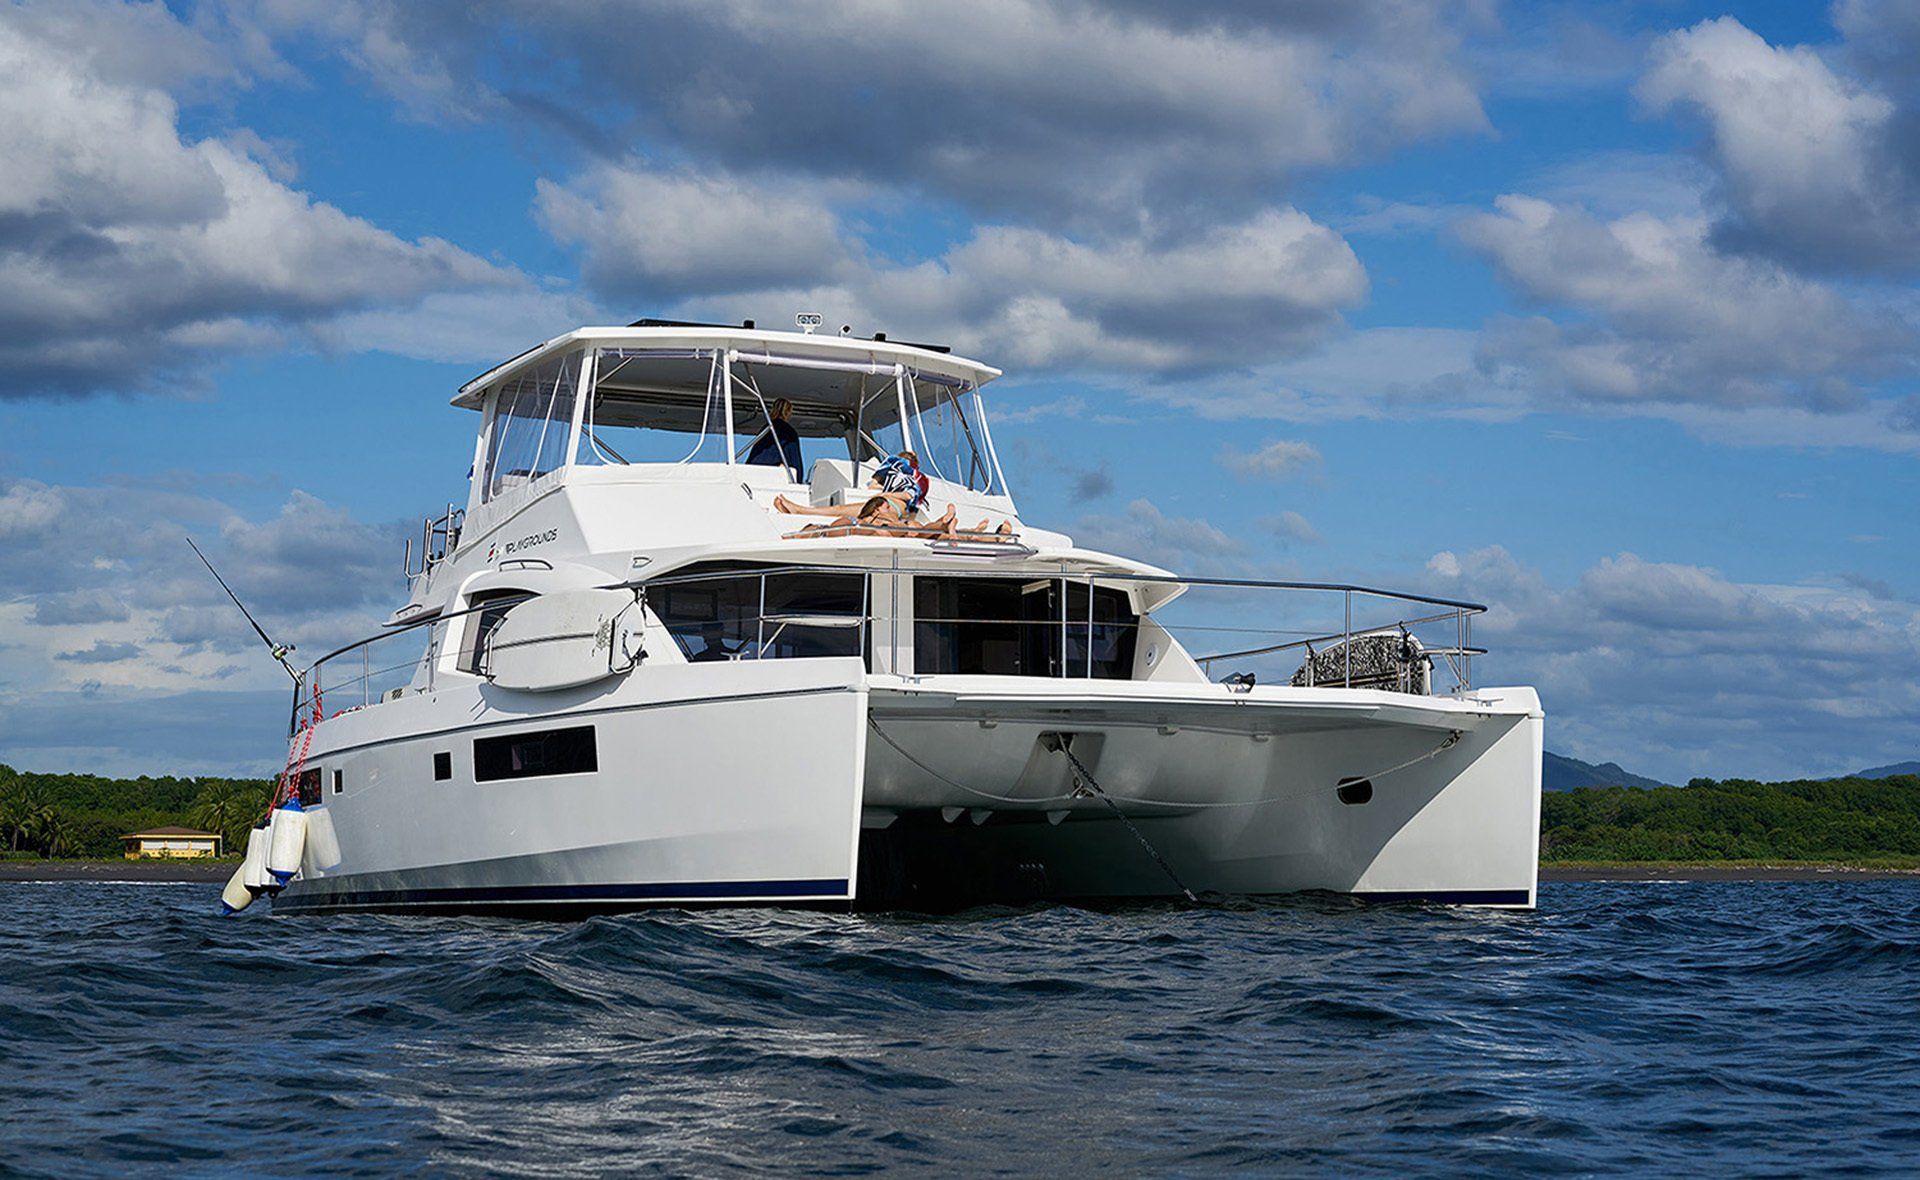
657 405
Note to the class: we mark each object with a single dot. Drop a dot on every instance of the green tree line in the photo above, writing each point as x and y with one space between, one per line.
1837 820
1706 820
85 814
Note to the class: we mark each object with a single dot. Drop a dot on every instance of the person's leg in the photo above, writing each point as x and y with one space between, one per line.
782 504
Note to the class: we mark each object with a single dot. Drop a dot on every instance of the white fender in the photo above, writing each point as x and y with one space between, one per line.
236 896
286 840
323 844
565 639
253 870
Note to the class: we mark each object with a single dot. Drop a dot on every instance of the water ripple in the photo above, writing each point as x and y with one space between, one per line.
1637 1028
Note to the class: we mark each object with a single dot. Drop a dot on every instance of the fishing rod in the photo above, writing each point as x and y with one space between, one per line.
280 650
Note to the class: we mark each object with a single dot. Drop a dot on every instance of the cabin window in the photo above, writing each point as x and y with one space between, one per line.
532 425
442 766
719 618
1015 627
532 755
338 784
481 625
308 787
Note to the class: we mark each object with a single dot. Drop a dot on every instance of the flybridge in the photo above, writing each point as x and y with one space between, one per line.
622 396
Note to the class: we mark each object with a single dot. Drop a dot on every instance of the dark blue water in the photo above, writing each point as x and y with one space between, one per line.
1756 1028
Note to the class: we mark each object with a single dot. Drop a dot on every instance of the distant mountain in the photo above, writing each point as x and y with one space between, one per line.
1888 771
1560 773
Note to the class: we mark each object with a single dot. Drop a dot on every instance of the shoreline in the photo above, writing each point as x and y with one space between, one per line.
1730 872
106 871
110 871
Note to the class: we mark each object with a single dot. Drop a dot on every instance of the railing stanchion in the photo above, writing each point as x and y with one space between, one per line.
1346 638
1466 652
1089 625
760 642
1061 663
366 674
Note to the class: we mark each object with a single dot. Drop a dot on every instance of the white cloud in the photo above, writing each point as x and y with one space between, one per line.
131 256
1665 317
1810 160
1280 459
1291 526
1144 532
104 590
1679 671
670 234
1236 293
1049 109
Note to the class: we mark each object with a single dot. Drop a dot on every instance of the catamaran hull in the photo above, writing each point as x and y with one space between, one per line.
825 786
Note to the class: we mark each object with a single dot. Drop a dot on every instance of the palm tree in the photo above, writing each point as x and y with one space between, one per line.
49 826
24 808
227 808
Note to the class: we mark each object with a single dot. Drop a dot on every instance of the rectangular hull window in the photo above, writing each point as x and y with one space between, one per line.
531 755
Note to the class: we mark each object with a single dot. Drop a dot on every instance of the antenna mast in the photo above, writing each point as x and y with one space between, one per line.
280 650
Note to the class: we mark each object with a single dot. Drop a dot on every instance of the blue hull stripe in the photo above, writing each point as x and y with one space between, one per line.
1454 896
565 894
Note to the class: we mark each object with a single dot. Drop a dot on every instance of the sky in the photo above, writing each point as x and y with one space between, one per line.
1601 314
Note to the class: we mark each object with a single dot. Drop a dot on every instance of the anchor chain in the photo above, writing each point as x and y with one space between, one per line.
1085 787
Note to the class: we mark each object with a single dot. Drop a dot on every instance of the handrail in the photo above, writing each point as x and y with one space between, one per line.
1456 655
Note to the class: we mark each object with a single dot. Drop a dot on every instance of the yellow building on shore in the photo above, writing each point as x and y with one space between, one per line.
183 843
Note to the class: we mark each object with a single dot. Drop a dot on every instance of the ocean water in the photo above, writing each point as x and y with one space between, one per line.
1651 1029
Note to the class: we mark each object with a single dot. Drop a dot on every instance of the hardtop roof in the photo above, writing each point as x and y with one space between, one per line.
748 342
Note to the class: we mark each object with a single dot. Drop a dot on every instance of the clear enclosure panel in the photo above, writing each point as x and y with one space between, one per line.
533 416
678 415
947 437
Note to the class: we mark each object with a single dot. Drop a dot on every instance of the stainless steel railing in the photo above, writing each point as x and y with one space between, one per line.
1442 626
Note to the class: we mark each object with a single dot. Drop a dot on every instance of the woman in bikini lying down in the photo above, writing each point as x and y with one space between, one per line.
879 518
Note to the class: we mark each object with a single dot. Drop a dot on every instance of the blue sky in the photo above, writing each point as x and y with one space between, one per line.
1602 314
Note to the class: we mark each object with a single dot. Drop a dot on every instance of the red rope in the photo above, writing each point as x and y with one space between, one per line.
297 759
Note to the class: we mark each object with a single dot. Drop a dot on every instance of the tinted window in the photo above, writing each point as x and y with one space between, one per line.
442 767
1010 627
529 755
983 627
309 787
719 618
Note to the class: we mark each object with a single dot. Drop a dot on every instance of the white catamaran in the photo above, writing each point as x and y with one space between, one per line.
672 651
